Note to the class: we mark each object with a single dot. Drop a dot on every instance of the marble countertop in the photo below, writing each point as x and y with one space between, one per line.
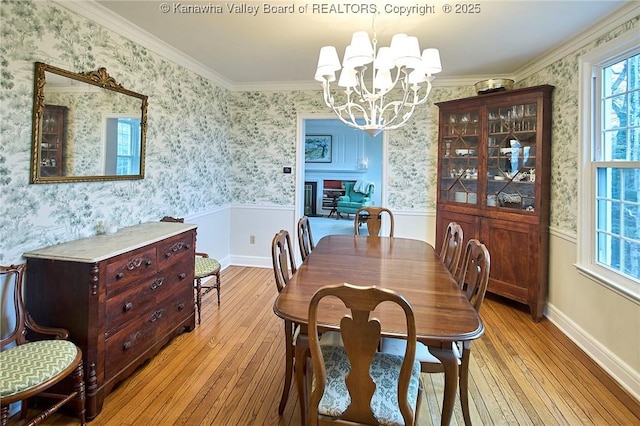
100 247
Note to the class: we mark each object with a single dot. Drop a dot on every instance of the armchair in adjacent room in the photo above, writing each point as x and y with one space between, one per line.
357 195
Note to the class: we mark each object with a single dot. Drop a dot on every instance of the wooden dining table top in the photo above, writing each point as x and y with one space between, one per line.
407 266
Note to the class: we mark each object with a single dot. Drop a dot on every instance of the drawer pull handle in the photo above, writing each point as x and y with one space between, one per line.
182 275
127 346
119 275
149 262
180 306
156 315
157 283
127 307
176 248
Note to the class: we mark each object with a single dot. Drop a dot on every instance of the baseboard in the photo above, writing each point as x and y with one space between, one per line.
251 261
621 372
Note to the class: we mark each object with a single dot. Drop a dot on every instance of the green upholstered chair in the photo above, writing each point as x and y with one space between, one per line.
353 200
32 368
205 266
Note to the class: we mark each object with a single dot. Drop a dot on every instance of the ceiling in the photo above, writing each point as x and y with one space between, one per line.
270 47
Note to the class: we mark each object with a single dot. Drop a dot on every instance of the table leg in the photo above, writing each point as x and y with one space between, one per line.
302 351
450 364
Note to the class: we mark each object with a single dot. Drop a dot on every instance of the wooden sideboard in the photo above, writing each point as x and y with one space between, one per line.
122 297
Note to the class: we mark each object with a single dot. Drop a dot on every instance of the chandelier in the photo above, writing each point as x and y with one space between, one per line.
370 108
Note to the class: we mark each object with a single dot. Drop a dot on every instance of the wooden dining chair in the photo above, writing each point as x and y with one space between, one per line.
305 238
205 266
32 368
284 266
472 280
354 382
452 247
372 216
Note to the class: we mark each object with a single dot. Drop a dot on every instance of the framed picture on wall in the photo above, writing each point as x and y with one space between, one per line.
317 149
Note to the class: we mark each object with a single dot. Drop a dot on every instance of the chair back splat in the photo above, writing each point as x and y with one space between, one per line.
305 238
474 274
30 368
452 247
372 216
354 382
284 265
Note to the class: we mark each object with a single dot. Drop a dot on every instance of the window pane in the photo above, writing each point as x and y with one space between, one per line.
634 72
631 185
614 112
631 259
615 79
618 219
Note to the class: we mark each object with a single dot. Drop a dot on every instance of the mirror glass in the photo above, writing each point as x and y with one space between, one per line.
86 127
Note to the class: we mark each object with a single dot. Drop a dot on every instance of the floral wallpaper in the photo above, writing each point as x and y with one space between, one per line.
188 165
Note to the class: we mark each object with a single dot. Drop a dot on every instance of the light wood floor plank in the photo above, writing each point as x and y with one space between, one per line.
229 371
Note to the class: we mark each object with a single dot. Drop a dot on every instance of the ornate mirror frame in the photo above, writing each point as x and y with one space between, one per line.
54 160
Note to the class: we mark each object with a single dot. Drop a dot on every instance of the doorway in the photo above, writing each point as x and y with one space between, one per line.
354 156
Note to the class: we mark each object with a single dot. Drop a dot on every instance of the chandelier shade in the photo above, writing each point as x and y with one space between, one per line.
399 69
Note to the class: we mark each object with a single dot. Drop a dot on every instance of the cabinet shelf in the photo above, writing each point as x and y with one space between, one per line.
511 136
54 129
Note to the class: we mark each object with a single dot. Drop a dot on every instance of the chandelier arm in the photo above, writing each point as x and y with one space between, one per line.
398 106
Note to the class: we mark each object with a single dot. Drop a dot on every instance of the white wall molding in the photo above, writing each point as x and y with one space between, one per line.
565 235
614 366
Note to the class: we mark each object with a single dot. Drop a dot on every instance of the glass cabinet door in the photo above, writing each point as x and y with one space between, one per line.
511 156
459 157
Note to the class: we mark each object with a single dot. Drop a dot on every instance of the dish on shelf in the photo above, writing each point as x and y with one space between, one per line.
498 178
462 152
493 85
505 151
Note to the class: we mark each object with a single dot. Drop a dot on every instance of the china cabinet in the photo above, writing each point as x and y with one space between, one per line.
493 179
54 125
122 297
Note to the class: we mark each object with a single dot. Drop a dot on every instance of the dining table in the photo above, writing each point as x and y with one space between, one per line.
413 268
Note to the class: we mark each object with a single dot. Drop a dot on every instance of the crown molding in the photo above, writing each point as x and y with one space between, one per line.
625 14
127 29
312 85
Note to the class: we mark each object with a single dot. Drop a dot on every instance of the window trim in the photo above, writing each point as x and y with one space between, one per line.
589 95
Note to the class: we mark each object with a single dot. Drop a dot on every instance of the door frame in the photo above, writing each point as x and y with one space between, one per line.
300 164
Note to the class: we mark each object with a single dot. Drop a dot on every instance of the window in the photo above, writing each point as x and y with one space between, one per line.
609 230
123 162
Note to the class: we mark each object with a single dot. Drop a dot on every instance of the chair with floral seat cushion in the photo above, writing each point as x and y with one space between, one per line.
305 238
452 247
205 266
472 279
353 382
32 368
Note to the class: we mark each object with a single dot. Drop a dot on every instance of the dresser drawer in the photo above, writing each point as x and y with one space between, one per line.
135 337
131 267
175 249
134 300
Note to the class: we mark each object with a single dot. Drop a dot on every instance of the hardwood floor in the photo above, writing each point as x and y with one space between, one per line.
229 371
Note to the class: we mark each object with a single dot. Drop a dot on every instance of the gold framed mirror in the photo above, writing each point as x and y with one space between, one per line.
86 127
